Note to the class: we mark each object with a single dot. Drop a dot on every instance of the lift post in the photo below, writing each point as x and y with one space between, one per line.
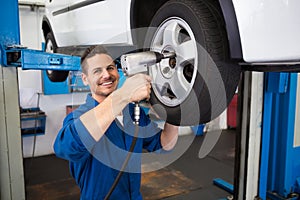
13 55
280 157
11 159
268 146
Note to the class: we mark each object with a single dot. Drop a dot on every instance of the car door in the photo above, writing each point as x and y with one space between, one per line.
59 18
99 21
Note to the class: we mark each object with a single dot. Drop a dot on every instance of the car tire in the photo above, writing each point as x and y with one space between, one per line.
54 75
202 84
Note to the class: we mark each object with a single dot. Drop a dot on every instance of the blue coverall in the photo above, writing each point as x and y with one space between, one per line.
94 165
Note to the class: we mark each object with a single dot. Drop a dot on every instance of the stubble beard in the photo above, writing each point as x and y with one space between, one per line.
103 93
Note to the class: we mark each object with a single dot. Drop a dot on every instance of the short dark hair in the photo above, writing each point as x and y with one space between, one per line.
90 52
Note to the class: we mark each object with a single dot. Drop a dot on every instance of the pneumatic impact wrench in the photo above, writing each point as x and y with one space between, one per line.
134 63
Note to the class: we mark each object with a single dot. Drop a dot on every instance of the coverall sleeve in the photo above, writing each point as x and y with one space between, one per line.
73 141
151 141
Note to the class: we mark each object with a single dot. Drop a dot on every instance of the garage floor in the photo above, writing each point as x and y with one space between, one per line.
189 177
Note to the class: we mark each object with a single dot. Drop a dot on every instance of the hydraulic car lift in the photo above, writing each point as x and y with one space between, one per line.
267 164
12 55
268 149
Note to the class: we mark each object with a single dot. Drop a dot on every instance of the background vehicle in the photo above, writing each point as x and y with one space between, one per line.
211 39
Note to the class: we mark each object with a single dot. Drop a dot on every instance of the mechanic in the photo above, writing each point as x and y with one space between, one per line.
96 137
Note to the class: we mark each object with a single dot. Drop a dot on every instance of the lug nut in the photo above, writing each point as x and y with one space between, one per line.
172 62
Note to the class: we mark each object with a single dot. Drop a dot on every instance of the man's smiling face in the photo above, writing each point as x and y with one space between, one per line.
102 76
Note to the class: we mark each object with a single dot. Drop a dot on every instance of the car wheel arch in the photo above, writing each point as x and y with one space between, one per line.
46 26
142 12
232 29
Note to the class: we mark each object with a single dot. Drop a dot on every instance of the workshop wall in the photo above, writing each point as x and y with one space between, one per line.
30 84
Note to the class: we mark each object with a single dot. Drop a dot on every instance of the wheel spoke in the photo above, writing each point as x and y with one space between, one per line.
170 34
186 51
157 46
159 80
179 85
49 47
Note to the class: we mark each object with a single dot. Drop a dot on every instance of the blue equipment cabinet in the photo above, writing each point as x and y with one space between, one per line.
50 88
72 84
33 121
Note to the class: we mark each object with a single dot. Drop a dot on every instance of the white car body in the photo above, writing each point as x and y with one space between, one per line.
105 22
269 30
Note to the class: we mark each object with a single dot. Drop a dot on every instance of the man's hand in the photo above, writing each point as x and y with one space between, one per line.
169 136
98 119
136 88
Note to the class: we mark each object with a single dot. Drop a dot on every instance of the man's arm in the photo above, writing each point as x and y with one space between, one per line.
98 119
169 136
68 144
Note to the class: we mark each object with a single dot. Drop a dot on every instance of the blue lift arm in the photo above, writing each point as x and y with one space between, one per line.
18 56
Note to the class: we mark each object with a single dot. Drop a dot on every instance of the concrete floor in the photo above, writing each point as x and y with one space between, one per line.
48 177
